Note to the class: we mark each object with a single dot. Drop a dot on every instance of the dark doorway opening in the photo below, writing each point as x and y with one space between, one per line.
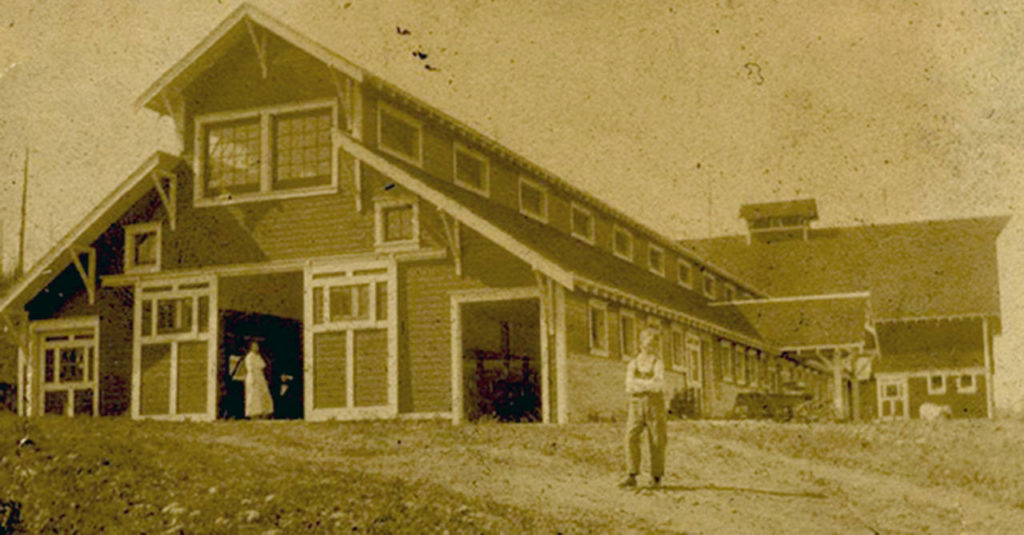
501 360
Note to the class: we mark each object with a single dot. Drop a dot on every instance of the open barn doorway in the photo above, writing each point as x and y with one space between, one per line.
265 310
501 360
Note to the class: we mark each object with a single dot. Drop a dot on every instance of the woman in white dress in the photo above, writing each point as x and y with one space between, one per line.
258 403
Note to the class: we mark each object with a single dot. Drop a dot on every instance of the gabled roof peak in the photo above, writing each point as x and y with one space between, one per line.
240 24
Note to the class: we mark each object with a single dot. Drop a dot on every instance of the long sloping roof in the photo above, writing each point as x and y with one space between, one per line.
814 321
921 269
95 223
237 26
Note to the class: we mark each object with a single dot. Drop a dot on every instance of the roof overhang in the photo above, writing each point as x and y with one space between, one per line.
95 223
810 322
238 25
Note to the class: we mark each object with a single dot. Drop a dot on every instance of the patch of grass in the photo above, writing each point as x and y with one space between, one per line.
117 475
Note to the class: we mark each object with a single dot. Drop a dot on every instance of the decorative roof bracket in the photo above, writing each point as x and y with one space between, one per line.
87 271
168 195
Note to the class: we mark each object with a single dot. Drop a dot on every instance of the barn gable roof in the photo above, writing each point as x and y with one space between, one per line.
939 268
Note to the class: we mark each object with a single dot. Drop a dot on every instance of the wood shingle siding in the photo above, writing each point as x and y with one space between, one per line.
329 370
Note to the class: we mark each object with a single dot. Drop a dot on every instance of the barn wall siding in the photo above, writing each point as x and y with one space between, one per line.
961 405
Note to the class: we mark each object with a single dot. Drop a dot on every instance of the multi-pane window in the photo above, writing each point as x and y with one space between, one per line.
356 302
142 247
622 243
582 223
533 199
399 134
471 170
241 154
302 149
685 273
598 327
232 156
397 223
656 259
627 333
893 399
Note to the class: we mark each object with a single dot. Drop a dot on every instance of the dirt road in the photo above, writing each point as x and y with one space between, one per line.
712 486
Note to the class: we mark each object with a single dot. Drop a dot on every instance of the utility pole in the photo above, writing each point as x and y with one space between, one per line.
19 269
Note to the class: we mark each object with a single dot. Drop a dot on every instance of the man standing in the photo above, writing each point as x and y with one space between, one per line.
645 385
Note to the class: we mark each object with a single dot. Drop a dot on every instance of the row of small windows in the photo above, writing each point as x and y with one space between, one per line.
402 137
965 383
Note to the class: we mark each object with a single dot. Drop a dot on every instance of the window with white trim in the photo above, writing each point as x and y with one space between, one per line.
622 243
709 284
533 199
728 365
272 151
582 222
472 170
684 273
399 134
693 354
142 247
936 384
678 350
966 384
597 323
740 359
70 367
396 223
627 334
656 259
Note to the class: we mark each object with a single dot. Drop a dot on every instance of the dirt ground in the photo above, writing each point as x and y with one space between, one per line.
268 477
711 486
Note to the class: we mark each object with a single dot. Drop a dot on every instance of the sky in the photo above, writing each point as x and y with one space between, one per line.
675 112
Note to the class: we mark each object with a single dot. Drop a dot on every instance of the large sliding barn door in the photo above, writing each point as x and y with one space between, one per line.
350 351
174 354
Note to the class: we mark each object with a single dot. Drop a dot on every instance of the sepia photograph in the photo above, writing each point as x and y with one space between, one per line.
511 266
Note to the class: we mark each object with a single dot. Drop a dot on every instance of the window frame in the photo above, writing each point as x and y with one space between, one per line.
577 207
593 305
379 206
628 256
960 389
708 278
655 249
728 362
266 190
939 390
678 357
385 108
131 233
485 164
680 263
624 314
529 182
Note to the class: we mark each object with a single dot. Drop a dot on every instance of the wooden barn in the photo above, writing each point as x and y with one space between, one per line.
391 262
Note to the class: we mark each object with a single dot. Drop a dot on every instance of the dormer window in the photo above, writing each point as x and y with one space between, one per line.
270 152
472 170
399 135
656 259
533 200
582 223
142 247
622 243
685 273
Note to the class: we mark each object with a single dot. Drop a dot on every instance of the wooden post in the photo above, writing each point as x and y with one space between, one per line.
837 385
990 403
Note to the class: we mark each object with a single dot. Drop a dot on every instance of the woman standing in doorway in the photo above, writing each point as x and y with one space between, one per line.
258 403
